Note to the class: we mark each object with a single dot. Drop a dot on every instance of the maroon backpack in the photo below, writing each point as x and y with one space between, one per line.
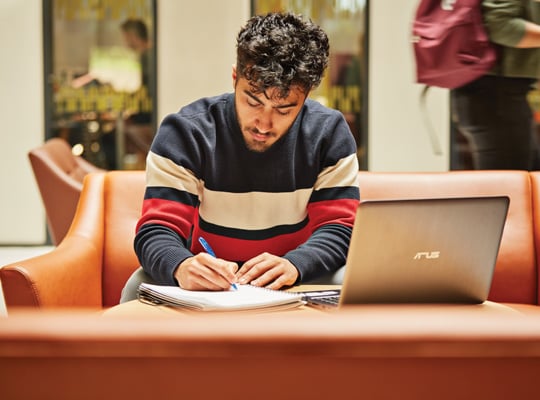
451 46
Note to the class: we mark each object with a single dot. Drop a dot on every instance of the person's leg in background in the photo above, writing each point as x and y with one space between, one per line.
495 116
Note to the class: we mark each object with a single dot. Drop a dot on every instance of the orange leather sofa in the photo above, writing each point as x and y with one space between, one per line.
89 268
61 345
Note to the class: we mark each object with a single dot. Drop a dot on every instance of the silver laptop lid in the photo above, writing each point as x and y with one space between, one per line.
435 250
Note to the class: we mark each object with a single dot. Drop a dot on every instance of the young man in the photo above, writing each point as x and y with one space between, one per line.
265 175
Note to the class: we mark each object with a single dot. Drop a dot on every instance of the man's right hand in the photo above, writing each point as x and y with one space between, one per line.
204 272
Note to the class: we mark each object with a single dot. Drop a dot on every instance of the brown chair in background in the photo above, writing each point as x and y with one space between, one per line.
59 175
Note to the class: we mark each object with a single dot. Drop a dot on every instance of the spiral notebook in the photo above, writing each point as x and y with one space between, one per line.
246 297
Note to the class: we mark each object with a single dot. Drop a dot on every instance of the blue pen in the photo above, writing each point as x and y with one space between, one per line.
209 250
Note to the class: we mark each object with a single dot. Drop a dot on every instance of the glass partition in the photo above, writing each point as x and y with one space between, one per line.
100 78
345 83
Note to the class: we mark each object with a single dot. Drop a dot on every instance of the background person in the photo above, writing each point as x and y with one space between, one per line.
493 112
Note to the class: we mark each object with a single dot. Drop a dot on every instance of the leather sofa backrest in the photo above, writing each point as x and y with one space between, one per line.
123 195
515 278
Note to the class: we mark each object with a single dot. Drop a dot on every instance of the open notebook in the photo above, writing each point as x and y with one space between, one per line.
247 297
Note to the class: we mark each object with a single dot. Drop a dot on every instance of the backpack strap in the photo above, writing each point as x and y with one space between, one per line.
433 137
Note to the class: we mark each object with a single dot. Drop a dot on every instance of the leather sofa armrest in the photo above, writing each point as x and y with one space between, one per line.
68 276
71 274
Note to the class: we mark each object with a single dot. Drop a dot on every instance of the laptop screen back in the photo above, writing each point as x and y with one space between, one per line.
435 250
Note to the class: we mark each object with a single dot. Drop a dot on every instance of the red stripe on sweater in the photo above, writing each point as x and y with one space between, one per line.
243 250
171 214
341 211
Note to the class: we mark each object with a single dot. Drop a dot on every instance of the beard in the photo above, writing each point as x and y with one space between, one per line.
256 141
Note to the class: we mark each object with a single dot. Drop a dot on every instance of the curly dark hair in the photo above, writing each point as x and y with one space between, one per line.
281 50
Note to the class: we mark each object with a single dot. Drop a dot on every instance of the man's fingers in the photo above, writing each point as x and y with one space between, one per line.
268 270
205 272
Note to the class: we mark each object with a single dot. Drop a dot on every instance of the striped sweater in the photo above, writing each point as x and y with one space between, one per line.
297 199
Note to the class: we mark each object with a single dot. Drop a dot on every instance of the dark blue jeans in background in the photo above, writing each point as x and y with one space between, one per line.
494 114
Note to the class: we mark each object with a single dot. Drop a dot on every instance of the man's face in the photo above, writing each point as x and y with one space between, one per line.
263 118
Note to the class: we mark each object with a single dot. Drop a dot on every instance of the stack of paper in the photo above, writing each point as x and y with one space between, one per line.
246 297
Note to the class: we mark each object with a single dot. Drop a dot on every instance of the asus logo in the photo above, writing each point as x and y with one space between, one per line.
426 255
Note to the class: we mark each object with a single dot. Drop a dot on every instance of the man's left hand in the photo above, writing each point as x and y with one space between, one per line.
269 271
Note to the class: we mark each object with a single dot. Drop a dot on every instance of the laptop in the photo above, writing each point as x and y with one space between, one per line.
420 251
